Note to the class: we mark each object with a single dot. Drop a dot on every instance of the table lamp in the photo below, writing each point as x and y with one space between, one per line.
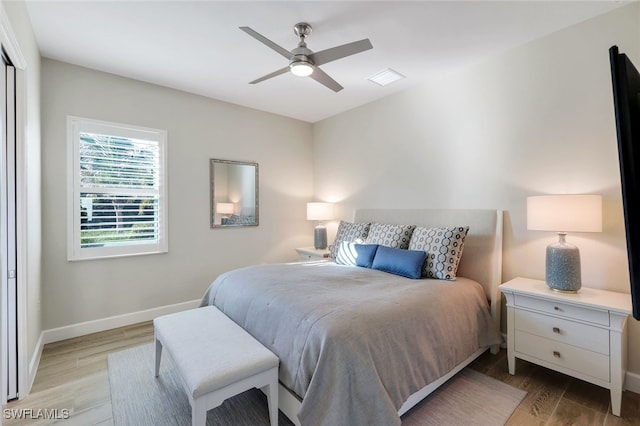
562 214
224 210
320 212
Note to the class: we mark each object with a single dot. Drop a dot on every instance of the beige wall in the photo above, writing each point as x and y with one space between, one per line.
198 129
29 170
535 120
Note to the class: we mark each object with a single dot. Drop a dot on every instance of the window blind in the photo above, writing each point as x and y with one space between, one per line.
119 183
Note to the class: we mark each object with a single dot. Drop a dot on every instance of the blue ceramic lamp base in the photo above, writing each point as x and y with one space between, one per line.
563 266
320 237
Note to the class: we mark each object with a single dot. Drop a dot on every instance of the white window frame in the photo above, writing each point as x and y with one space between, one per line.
77 125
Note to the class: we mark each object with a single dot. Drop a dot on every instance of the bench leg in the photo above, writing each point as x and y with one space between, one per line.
198 413
158 356
271 390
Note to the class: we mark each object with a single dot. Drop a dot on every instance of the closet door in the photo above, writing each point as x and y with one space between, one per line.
8 287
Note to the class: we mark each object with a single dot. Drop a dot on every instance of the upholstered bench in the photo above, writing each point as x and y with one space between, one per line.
216 359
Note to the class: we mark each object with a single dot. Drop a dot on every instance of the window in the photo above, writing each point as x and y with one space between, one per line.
117 190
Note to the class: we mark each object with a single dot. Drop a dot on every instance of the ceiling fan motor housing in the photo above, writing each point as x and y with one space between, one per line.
301 53
301 60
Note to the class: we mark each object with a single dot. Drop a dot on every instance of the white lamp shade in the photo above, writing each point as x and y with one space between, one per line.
224 208
319 211
565 213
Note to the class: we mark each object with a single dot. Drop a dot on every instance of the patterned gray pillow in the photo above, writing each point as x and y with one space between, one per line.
351 232
444 250
395 236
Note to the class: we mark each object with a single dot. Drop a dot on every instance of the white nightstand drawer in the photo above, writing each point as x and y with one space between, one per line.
306 256
310 253
581 360
586 336
595 316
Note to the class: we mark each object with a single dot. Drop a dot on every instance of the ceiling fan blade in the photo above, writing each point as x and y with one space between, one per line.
281 50
271 75
324 79
328 55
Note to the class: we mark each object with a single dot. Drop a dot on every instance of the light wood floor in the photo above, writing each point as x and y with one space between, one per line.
73 376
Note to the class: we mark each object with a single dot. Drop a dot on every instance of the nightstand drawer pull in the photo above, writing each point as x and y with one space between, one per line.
556 354
556 330
556 308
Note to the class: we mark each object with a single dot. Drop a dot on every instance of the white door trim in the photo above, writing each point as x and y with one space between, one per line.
10 42
11 46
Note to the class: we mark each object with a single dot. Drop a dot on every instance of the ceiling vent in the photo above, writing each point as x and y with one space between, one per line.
386 77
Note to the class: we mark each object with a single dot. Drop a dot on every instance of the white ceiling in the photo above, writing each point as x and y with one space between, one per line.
196 46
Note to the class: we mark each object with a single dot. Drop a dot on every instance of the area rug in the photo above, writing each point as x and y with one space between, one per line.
140 399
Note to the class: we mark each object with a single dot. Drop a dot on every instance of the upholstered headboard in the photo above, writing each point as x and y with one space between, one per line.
482 255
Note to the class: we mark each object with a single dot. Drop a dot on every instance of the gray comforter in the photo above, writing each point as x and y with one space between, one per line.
354 343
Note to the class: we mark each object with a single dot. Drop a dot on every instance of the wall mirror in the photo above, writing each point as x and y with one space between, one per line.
234 193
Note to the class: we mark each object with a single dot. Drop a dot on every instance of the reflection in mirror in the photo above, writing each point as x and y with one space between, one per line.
234 193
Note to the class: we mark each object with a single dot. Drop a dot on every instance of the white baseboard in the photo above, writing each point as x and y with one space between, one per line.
84 328
632 382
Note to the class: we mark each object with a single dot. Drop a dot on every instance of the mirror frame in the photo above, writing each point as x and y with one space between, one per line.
212 163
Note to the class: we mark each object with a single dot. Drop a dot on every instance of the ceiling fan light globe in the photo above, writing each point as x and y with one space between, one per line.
301 69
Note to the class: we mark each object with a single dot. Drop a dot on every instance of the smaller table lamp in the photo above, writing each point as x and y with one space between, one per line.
320 212
564 213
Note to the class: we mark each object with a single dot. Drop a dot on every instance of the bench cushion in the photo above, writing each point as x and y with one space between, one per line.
210 350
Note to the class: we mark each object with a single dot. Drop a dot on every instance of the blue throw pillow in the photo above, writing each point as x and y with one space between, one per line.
365 254
407 263
356 254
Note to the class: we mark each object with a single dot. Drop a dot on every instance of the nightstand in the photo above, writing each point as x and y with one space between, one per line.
583 335
311 253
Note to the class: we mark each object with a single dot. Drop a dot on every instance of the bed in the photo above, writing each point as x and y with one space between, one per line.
362 346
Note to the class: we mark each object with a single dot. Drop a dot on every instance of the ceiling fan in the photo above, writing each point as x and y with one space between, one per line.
303 62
